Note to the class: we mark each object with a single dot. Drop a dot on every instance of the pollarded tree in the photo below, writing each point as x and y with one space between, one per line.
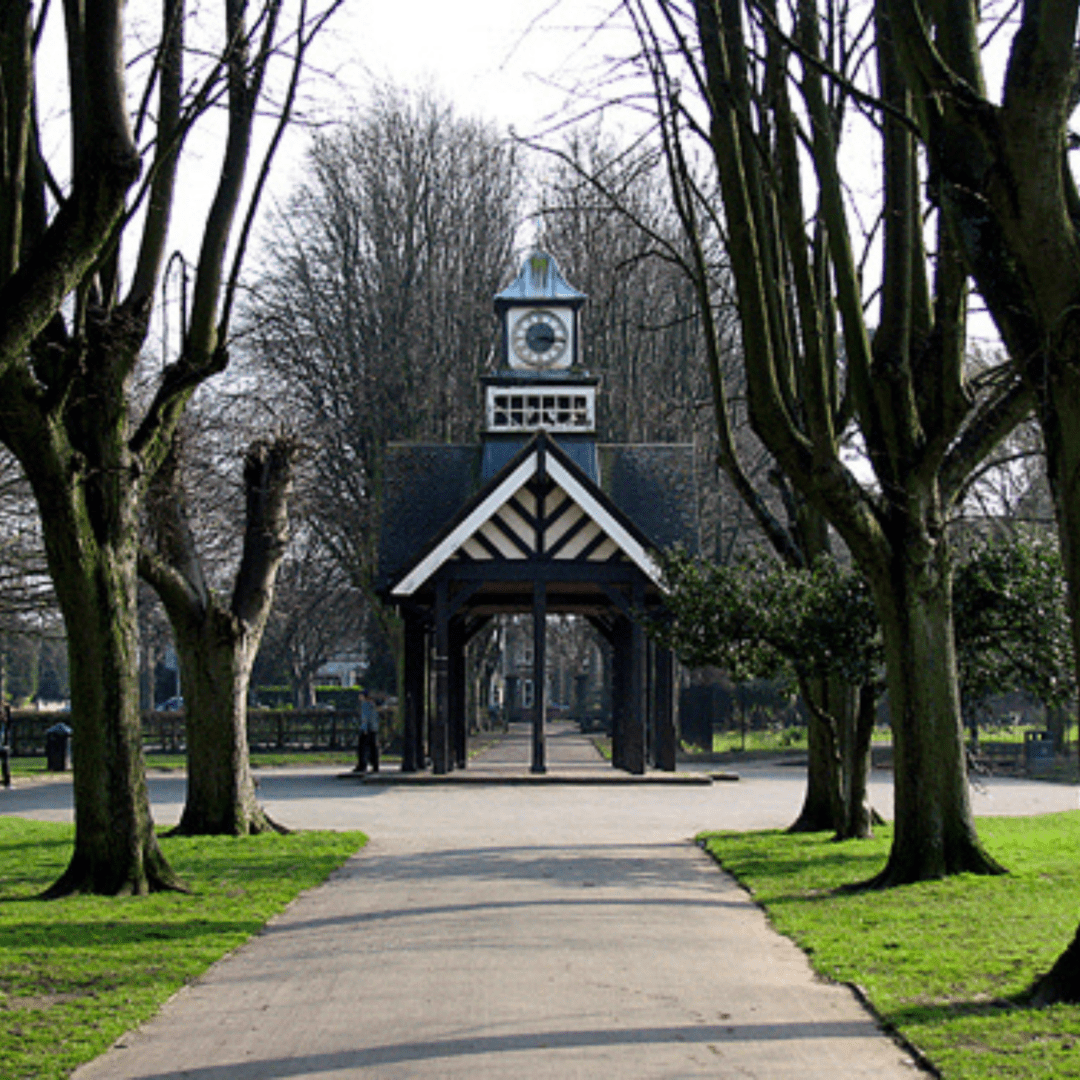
216 637
767 89
66 374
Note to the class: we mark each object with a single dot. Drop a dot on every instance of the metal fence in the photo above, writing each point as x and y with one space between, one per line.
166 732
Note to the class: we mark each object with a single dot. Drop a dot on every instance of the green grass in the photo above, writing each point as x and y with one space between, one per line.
1006 733
945 962
75 974
27 766
728 742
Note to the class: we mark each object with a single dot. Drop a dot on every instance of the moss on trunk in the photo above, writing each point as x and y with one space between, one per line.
934 829
116 850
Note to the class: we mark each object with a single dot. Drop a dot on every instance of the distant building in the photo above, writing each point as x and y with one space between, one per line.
346 669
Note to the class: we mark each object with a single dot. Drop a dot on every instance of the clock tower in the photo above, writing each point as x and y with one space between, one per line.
540 384
536 519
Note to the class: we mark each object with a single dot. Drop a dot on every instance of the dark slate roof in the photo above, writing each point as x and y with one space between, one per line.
654 486
424 487
501 450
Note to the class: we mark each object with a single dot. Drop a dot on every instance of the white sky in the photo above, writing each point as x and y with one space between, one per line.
526 64
522 64
513 61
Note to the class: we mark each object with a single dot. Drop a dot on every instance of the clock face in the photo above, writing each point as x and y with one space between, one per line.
540 339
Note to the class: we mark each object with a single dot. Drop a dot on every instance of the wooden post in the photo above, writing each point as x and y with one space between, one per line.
539 764
440 741
412 749
427 700
634 742
619 690
458 734
665 709
649 703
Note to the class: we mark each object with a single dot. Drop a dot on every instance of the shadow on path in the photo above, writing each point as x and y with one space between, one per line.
369 1057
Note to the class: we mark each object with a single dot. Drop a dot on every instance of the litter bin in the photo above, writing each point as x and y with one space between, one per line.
1038 750
696 717
57 748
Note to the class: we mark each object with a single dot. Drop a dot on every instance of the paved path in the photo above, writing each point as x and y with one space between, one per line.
518 932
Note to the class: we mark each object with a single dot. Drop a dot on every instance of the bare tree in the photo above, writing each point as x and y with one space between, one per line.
66 373
28 611
767 91
375 311
317 613
1006 189
652 268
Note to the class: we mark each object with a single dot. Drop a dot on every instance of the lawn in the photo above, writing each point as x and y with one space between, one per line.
736 741
946 962
75 974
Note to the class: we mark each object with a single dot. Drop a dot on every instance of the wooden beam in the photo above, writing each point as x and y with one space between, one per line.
555 571
474 625
539 762
440 732
634 746
412 751
665 709
620 689
458 733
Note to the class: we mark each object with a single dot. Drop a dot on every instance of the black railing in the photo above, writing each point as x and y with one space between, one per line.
166 732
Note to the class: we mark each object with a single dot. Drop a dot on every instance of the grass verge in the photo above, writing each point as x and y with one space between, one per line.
943 962
75 974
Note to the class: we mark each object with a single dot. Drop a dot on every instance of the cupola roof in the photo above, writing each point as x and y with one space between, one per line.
539 279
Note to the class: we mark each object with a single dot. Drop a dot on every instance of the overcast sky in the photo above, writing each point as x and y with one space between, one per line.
513 61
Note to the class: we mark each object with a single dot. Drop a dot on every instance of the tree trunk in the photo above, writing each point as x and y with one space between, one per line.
856 733
1059 417
116 850
217 644
934 830
839 739
821 809
215 663
1062 982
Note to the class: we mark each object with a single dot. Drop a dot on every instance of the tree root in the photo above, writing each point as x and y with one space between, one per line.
254 823
270 825
901 870
809 821
1061 984
82 877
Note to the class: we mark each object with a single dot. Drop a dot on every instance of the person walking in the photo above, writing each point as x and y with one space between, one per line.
367 739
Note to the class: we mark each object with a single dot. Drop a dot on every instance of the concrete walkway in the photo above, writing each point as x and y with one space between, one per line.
491 931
